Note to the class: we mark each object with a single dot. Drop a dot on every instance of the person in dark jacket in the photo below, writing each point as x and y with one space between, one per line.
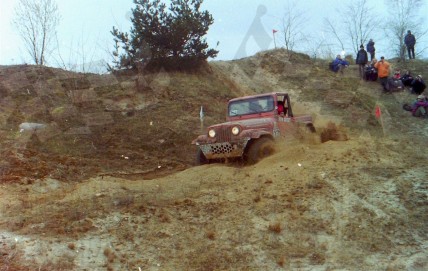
362 60
418 85
410 42
407 79
370 73
371 49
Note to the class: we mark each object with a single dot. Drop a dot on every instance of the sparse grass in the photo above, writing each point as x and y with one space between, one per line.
214 224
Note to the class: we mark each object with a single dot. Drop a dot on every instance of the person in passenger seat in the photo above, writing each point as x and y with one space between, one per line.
282 110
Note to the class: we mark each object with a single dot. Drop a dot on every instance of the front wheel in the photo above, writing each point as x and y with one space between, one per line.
259 149
200 158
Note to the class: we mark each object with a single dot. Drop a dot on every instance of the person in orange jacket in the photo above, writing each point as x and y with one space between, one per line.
382 67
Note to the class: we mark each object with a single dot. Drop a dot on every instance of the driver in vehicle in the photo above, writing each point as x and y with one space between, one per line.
255 107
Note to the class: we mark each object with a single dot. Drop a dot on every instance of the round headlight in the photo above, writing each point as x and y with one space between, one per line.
211 133
235 130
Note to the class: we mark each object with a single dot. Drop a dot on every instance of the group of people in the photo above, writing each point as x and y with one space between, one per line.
409 41
339 64
396 82
374 70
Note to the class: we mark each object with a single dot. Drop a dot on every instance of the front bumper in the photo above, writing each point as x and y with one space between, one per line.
224 149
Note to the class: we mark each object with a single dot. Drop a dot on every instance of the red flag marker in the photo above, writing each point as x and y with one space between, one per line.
378 112
273 34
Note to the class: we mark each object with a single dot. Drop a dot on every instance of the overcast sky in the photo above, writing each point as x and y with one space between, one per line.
242 27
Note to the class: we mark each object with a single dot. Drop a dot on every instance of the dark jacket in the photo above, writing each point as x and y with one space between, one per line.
362 58
407 79
370 47
410 40
418 86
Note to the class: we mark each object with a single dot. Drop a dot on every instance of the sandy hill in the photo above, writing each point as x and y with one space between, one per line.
107 179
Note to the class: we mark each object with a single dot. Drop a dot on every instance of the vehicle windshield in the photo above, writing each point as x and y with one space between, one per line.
251 106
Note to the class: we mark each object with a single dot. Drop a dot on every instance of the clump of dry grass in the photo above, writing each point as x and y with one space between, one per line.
164 217
332 132
281 261
276 227
210 234
317 258
71 246
110 255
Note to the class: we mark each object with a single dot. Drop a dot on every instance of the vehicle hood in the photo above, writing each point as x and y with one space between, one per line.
247 123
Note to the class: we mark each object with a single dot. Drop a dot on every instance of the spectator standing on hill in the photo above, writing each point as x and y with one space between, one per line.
371 49
382 67
338 65
418 85
362 60
410 42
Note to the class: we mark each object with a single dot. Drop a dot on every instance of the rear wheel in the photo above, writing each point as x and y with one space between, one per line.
200 158
259 149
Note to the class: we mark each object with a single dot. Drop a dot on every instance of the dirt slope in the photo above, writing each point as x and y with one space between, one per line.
96 189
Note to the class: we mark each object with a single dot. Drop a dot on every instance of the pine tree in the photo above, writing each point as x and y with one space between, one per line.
170 39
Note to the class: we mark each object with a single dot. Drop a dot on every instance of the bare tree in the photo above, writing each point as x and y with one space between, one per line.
403 16
357 23
360 22
36 21
330 28
292 24
318 46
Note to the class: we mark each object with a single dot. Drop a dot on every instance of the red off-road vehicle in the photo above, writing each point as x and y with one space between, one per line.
253 124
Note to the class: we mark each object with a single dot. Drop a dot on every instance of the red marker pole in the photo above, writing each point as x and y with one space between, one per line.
378 114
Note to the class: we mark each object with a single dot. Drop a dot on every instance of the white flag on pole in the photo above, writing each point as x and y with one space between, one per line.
201 113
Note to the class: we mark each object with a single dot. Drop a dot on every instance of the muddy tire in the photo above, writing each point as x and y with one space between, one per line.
259 149
407 107
201 159
311 128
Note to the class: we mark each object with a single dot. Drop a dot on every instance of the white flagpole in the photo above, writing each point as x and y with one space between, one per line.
201 117
273 34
